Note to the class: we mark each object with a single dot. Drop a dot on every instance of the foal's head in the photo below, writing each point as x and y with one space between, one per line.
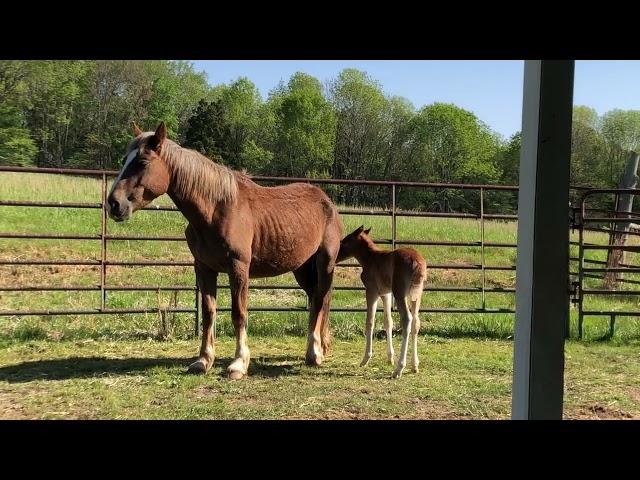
143 177
354 242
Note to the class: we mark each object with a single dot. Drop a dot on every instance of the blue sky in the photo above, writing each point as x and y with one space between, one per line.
492 89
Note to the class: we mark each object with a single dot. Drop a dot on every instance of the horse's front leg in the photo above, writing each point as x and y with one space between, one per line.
208 282
372 304
239 282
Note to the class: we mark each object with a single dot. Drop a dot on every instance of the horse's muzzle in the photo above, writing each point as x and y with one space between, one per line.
118 211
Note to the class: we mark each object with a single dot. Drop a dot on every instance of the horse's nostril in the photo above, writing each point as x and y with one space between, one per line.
115 205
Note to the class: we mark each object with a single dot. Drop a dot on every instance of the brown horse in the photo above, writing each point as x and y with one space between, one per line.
236 227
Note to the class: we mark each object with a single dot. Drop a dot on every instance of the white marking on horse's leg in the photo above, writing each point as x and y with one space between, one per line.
132 154
240 365
388 326
314 344
372 303
415 331
405 318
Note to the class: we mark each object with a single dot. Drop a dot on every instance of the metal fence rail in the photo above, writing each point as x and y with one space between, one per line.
104 238
605 223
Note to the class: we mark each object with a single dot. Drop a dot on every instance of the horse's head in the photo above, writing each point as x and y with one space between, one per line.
143 177
353 242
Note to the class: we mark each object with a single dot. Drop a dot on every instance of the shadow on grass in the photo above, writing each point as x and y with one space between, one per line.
452 332
87 367
82 367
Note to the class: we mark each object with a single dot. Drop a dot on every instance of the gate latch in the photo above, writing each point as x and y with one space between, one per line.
573 292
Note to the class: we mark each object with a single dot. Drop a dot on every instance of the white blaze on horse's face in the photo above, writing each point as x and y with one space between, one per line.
120 207
132 154
143 177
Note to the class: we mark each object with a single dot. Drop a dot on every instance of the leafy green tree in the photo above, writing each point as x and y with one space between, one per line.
360 106
207 130
621 131
304 128
17 146
455 147
54 94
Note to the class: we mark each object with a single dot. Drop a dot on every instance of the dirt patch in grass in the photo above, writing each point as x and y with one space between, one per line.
601 412
10 408
423 409
634 392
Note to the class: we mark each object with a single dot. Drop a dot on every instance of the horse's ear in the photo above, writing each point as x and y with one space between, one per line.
158 137
367 230
359 230
136 130
161 132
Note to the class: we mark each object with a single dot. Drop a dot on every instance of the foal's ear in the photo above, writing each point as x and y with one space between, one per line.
359 230
158 138
367 230
136 129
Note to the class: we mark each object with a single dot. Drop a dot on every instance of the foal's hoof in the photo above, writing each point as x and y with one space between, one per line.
365 361
235 374
415 369
198 367
397 373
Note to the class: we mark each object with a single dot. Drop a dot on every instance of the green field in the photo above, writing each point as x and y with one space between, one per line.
84 366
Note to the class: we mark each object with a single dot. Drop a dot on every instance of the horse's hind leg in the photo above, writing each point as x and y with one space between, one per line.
405 319
306 277
388 326
319 335
415 330
208 283
239 283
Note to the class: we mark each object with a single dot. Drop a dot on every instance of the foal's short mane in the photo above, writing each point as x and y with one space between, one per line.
193 173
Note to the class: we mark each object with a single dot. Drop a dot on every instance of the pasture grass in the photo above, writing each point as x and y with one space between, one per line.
141 379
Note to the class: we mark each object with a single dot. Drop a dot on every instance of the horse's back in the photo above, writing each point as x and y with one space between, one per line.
290 223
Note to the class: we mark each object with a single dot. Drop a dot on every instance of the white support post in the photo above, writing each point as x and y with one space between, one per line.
542 276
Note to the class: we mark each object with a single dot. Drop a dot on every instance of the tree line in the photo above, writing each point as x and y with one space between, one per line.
79 113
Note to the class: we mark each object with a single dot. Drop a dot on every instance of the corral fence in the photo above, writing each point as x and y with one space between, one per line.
104 237
612 222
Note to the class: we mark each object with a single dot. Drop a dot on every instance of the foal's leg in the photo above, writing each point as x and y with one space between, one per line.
239 282
208 283
372 304
388 325
405 320
415 331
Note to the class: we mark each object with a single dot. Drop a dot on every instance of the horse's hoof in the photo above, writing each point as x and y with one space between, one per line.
415 370
314 360
198 367
364 362
397 374
235 374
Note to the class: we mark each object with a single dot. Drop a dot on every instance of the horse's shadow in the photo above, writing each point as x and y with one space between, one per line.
89 367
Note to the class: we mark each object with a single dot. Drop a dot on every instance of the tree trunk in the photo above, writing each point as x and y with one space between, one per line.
618 236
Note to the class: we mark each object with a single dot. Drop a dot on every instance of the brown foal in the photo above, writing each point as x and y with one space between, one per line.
399 272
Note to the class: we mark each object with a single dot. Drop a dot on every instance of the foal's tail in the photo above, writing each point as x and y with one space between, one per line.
417 280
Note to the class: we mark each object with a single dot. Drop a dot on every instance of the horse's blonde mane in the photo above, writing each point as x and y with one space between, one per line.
195 174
